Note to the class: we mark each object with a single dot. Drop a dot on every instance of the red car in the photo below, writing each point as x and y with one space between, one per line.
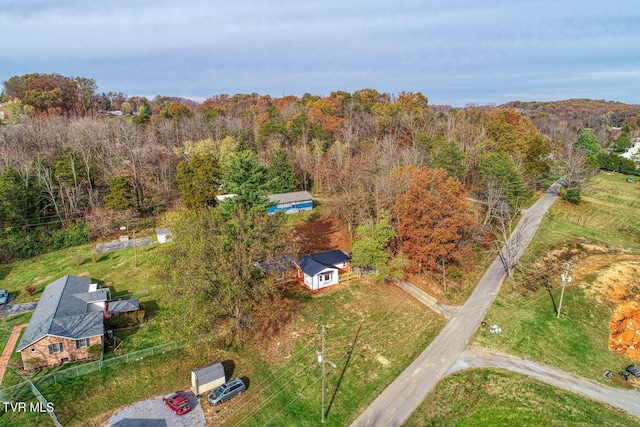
177 403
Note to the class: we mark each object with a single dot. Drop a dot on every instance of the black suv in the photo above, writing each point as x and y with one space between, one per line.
633 371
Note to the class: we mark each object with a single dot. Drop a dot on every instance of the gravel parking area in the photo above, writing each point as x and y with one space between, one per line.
154 413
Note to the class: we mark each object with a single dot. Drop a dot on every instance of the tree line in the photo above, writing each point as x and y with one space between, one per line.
400 173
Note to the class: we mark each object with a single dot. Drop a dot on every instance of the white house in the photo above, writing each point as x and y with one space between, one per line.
321 270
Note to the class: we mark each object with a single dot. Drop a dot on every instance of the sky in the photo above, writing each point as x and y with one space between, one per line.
454 52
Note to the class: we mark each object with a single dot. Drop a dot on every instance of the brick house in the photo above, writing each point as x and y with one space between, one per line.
68 319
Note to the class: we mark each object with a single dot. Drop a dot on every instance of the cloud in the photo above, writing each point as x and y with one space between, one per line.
197 48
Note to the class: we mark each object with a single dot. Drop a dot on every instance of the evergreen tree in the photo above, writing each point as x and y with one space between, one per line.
246 178
280 175
120 196
587 142
18 201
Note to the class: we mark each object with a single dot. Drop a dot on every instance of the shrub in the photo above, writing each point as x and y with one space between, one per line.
95 350
30 290
571 196
31 364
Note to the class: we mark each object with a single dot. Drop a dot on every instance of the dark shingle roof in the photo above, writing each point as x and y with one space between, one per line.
315 263
311 267
62 311
124 306
331 257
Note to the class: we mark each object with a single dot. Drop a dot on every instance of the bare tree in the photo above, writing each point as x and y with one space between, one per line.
576 167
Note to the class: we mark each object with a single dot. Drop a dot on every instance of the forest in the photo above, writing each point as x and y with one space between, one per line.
76 163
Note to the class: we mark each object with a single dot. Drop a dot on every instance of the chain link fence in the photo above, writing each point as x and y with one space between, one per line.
22 391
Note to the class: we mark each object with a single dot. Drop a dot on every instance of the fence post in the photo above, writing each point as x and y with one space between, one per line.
45 404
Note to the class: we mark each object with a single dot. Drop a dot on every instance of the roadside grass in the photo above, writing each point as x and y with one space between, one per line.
578 341
486 397
283 373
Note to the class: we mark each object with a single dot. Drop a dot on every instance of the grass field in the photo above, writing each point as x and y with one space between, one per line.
114 269
485 397
372 333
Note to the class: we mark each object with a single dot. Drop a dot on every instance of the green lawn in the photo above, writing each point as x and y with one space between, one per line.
114 269
283 373
486 397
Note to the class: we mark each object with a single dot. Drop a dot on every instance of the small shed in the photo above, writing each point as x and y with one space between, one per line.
207 378
163 234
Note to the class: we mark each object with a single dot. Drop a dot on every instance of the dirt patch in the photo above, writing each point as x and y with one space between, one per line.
610 276
625 330
323 234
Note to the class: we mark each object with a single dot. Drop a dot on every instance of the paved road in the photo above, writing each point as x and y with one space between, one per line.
627 400
396 403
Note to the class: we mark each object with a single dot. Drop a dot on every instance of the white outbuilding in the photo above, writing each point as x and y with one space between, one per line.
206 378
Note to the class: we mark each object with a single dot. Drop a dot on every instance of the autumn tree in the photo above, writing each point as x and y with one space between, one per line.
433 219
210 268
512 133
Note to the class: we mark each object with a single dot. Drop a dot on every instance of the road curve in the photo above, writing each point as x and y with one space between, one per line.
627 400
396 403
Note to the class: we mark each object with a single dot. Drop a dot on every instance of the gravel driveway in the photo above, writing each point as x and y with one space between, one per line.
154 413
13 309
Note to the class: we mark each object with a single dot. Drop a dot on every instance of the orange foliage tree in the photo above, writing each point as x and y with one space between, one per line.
433 219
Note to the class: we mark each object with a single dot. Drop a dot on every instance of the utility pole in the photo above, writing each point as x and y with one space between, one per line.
444 277
322 360
566 266
135 248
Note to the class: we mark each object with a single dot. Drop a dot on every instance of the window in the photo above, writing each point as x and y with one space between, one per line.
82 343
325 277
55 348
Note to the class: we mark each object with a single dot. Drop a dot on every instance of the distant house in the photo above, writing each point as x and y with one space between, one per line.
68 319
66 322
321 270
294 202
